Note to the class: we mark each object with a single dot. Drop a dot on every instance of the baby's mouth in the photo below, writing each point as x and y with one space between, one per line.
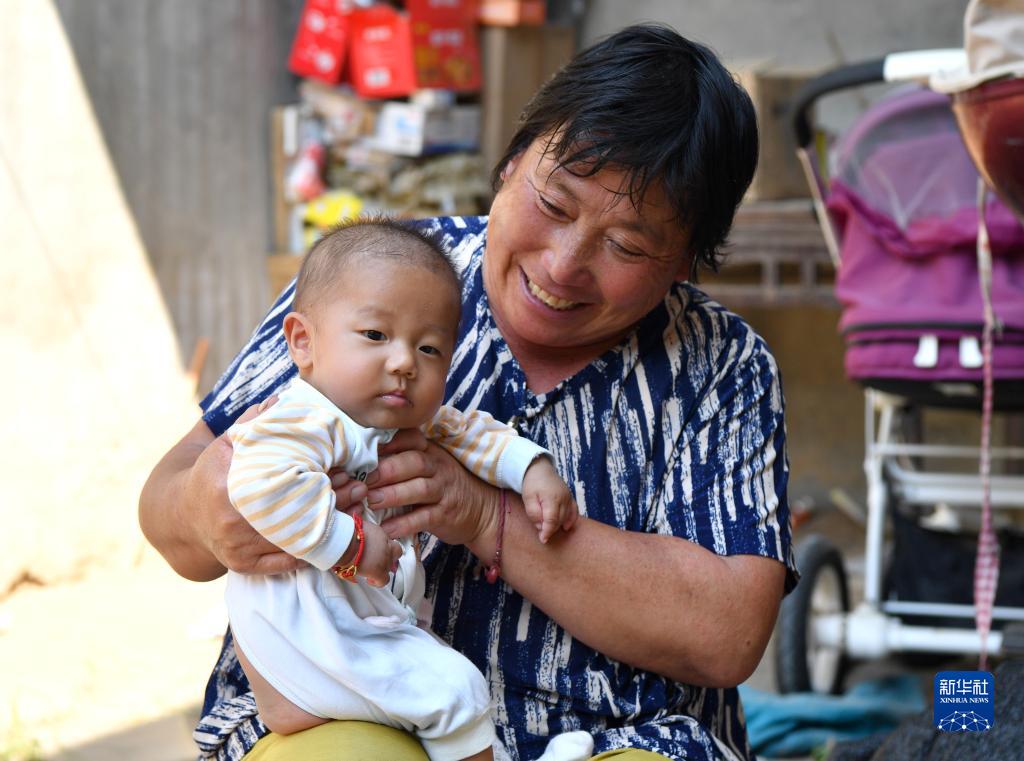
554 302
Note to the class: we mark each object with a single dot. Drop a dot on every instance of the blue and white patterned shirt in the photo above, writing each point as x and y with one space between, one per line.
678 431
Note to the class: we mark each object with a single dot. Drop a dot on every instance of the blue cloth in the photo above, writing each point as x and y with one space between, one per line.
797 723
678 430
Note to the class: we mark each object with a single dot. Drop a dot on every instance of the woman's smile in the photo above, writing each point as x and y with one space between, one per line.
549 299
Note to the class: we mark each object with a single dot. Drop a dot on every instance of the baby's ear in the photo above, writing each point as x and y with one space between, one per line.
298 333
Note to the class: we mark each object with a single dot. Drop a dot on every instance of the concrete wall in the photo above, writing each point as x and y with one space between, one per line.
792 32
92 387
808 35
182 91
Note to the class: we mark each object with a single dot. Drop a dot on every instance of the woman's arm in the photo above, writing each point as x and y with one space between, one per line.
185 513
659 603
665 604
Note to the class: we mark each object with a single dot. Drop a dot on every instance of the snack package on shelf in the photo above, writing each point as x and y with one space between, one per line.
321 40
413 129
445 46
380 53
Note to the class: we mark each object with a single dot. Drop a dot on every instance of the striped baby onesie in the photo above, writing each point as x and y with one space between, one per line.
333 648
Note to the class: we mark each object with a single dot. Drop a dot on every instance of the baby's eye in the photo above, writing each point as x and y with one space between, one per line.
374 335
432 350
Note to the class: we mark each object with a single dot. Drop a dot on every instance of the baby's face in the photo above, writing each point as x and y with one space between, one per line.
383 342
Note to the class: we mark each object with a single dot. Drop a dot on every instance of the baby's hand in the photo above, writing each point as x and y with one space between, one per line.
547 499
380 555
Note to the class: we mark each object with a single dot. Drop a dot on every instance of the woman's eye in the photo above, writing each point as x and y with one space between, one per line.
374 335
624 250
550 207
431 350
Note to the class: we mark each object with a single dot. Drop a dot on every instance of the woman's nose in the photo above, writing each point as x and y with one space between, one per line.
568 260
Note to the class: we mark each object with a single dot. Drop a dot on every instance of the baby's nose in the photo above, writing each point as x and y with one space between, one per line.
402 361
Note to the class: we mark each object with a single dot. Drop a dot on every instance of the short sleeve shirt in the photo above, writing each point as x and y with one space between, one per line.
678 430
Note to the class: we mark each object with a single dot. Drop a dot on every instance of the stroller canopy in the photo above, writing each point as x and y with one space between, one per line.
904 201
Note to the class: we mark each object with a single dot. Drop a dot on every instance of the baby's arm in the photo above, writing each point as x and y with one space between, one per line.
278 481
494 452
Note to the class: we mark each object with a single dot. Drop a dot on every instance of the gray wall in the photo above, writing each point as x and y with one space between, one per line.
792 32
808 35
182 90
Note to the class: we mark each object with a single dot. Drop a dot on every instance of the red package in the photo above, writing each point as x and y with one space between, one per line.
380 53
443 12
444 44
318 51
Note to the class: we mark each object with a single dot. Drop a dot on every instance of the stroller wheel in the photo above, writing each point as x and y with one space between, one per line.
802 662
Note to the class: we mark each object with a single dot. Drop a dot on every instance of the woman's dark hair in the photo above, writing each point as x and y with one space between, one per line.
664 109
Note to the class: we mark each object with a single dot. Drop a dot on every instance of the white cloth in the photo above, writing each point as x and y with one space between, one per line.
346 650
994 43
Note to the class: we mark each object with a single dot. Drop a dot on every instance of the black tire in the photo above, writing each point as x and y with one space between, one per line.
816 559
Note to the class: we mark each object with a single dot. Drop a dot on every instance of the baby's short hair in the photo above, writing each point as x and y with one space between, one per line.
368 237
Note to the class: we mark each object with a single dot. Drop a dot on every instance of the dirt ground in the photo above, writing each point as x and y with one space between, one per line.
112 665
109 666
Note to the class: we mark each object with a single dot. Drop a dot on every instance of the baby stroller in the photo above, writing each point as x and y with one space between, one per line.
899 213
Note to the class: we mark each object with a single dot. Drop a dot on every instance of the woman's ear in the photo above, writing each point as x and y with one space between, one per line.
298 332
509 168
686 269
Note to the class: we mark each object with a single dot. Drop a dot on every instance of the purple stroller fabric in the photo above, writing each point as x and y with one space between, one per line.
903 200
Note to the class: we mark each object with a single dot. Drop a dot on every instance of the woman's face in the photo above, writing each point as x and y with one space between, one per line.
571 265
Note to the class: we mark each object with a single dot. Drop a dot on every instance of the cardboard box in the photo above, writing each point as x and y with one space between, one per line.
771 89
281 268
380 53
318 50
512 12
516 62
411 129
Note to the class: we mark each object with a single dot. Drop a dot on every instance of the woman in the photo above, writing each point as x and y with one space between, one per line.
663 410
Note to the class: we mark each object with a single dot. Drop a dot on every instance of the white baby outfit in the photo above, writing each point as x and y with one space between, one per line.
344 650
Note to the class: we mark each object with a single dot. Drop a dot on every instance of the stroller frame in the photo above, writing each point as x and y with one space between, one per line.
817 633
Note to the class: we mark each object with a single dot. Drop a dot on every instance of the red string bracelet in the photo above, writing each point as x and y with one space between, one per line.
348 572
494 569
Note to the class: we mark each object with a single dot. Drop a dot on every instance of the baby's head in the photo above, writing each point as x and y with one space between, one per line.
374 322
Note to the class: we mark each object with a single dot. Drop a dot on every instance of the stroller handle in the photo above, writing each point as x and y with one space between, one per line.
917 65
841 78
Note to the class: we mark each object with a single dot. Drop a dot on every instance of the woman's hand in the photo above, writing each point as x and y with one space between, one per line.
185 512
447 500
221 529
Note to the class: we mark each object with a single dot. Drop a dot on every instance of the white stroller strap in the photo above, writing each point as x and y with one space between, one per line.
986 566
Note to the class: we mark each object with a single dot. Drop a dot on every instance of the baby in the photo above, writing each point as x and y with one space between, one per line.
375 320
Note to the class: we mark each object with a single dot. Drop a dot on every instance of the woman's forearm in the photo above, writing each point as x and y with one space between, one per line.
659 603
164 509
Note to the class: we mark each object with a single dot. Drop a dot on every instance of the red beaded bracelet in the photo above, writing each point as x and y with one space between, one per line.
494 569
348 572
